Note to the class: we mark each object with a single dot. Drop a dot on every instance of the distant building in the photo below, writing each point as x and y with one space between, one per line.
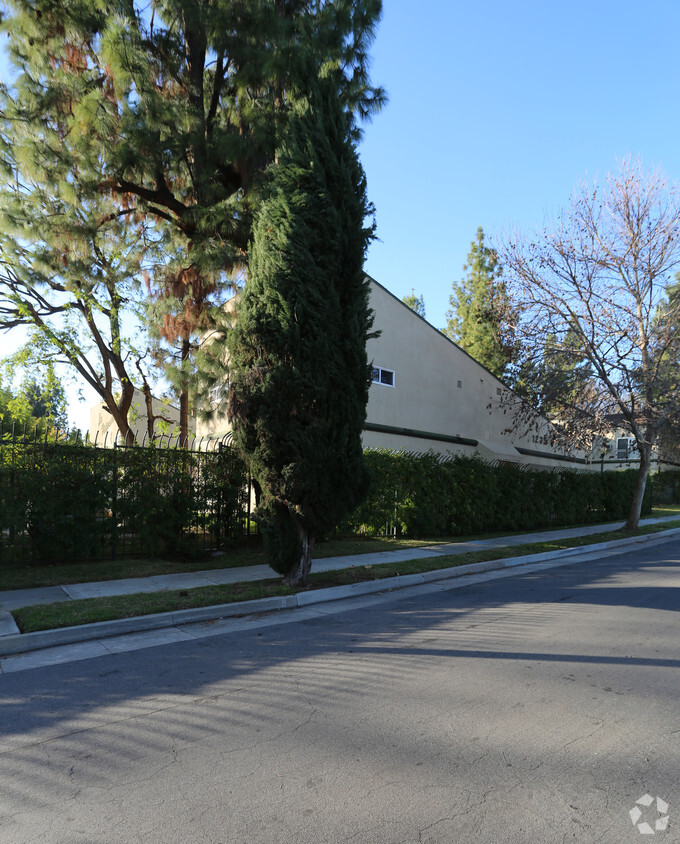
619 450
104 431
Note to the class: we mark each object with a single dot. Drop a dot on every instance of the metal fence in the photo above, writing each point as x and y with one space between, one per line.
72 500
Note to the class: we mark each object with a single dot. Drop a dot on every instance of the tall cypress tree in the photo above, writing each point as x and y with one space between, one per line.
298 368
478 305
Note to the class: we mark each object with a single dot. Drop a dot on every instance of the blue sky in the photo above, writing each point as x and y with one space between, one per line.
496 111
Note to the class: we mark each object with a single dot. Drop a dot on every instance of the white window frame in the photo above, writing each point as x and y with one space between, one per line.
379 370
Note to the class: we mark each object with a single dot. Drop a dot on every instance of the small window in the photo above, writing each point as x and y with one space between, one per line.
460 383
380 375
625 448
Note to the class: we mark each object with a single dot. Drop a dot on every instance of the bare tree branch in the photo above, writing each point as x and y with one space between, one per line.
593 285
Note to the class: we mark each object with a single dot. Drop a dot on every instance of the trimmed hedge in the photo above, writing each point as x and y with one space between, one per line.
666 486
68 502
422 495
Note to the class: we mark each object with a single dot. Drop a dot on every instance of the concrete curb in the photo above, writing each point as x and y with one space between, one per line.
8 626
15 643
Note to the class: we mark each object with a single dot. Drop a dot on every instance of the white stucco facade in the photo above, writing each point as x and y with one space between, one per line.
440 390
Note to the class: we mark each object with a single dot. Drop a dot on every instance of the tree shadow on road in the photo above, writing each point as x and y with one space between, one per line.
150 701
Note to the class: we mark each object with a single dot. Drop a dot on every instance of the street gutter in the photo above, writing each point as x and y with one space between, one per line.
16 643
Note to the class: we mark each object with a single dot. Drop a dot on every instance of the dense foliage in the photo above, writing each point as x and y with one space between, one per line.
415 303
427 495
36 402
61 502
479 319
298 367
133 139
117 502
666 486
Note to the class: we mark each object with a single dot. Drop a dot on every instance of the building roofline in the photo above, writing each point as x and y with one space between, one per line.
438 331
563 456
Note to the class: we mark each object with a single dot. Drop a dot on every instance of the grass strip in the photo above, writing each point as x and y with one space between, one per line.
88 610
24 576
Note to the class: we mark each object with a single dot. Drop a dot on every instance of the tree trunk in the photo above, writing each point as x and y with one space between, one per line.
183 419
641 484
184 397
120 409
150 418
297 576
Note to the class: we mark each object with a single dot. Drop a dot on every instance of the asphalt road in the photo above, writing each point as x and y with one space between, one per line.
537 707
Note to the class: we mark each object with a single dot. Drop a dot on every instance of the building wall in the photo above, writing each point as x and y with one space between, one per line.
441 398
104 430
439 389
619 451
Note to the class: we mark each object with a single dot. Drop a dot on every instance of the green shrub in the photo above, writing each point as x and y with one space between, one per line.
666 486
421 495
60 502
69 502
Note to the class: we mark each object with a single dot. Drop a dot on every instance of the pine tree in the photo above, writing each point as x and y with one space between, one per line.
69 253
178 312
39 402
415 303
479 317
667 358
557 379
163 118
298 367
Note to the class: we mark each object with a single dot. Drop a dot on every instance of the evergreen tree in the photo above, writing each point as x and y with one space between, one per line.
298 367
46 398
165 118
70 255
39 404
559 378
666 355
178 312
479 319
415 303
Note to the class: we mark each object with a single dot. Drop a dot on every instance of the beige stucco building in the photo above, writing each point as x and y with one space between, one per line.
427 393
618 450
104 431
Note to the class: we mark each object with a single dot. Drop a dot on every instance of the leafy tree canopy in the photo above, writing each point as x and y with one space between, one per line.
135 137
38 402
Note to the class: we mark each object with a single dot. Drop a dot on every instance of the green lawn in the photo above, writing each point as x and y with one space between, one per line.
23 576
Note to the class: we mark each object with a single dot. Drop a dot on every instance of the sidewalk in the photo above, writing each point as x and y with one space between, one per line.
24 651
13 599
